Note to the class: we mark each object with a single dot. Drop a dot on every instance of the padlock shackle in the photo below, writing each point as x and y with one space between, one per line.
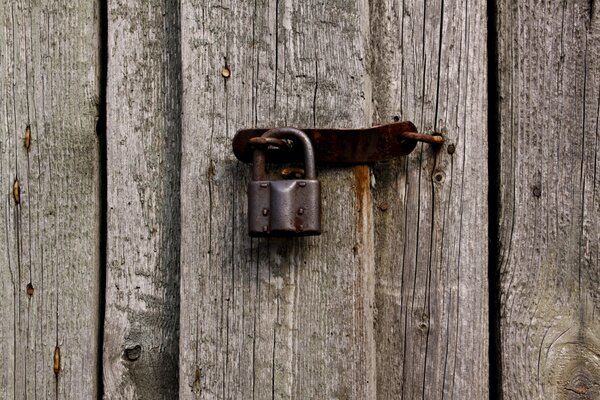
259 157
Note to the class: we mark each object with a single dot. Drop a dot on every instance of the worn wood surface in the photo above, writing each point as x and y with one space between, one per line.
392 300
49 208
549 82
273 318
429 66
143 144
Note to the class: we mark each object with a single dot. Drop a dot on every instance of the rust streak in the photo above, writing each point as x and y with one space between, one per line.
364 252
361 184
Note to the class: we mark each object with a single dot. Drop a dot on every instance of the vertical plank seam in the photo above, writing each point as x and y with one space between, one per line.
494 356
433 198
103 190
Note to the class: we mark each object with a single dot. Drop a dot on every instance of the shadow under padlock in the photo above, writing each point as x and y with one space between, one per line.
284 207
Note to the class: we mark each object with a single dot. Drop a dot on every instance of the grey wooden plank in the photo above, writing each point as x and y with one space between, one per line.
49 233
273 318
549 88
431 325
143 146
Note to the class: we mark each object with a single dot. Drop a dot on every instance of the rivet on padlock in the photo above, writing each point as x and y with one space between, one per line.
293 206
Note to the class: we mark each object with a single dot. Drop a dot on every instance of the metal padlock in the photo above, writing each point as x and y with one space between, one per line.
284 207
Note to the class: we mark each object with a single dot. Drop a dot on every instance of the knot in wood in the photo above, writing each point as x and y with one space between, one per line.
133 353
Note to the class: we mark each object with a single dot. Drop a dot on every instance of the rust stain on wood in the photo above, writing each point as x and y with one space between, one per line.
365 272
361 184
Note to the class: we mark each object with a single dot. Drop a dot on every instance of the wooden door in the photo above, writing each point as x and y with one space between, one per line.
463 271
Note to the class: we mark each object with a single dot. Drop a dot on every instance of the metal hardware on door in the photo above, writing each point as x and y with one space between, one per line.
292 207
339 146
283 207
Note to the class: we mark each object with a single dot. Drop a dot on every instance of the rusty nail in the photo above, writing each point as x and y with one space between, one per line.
56 365
226 72
27 140
537 192
29 289
17 191
436 138
451 148
300 211
300 228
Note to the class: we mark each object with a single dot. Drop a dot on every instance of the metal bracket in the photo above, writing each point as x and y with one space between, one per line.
338 146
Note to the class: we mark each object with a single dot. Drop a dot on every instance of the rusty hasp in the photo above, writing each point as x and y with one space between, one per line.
337 146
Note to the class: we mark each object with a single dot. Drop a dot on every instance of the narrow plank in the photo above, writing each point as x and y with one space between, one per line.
274 318
143 146
49 179
549 83
431 329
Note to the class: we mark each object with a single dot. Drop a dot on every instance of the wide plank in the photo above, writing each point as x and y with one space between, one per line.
273 318
50 208
549 211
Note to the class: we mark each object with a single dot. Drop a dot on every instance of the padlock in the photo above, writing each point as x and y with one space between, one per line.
284 207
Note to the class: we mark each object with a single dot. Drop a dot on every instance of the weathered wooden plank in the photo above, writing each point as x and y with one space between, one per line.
49 229
143 147
273 318
549 83
429 66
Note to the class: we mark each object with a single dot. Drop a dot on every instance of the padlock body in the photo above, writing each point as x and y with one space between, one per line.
284 208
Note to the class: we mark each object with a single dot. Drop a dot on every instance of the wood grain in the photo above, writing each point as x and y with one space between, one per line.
49 209
431 216
266 318
143 146
549 88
